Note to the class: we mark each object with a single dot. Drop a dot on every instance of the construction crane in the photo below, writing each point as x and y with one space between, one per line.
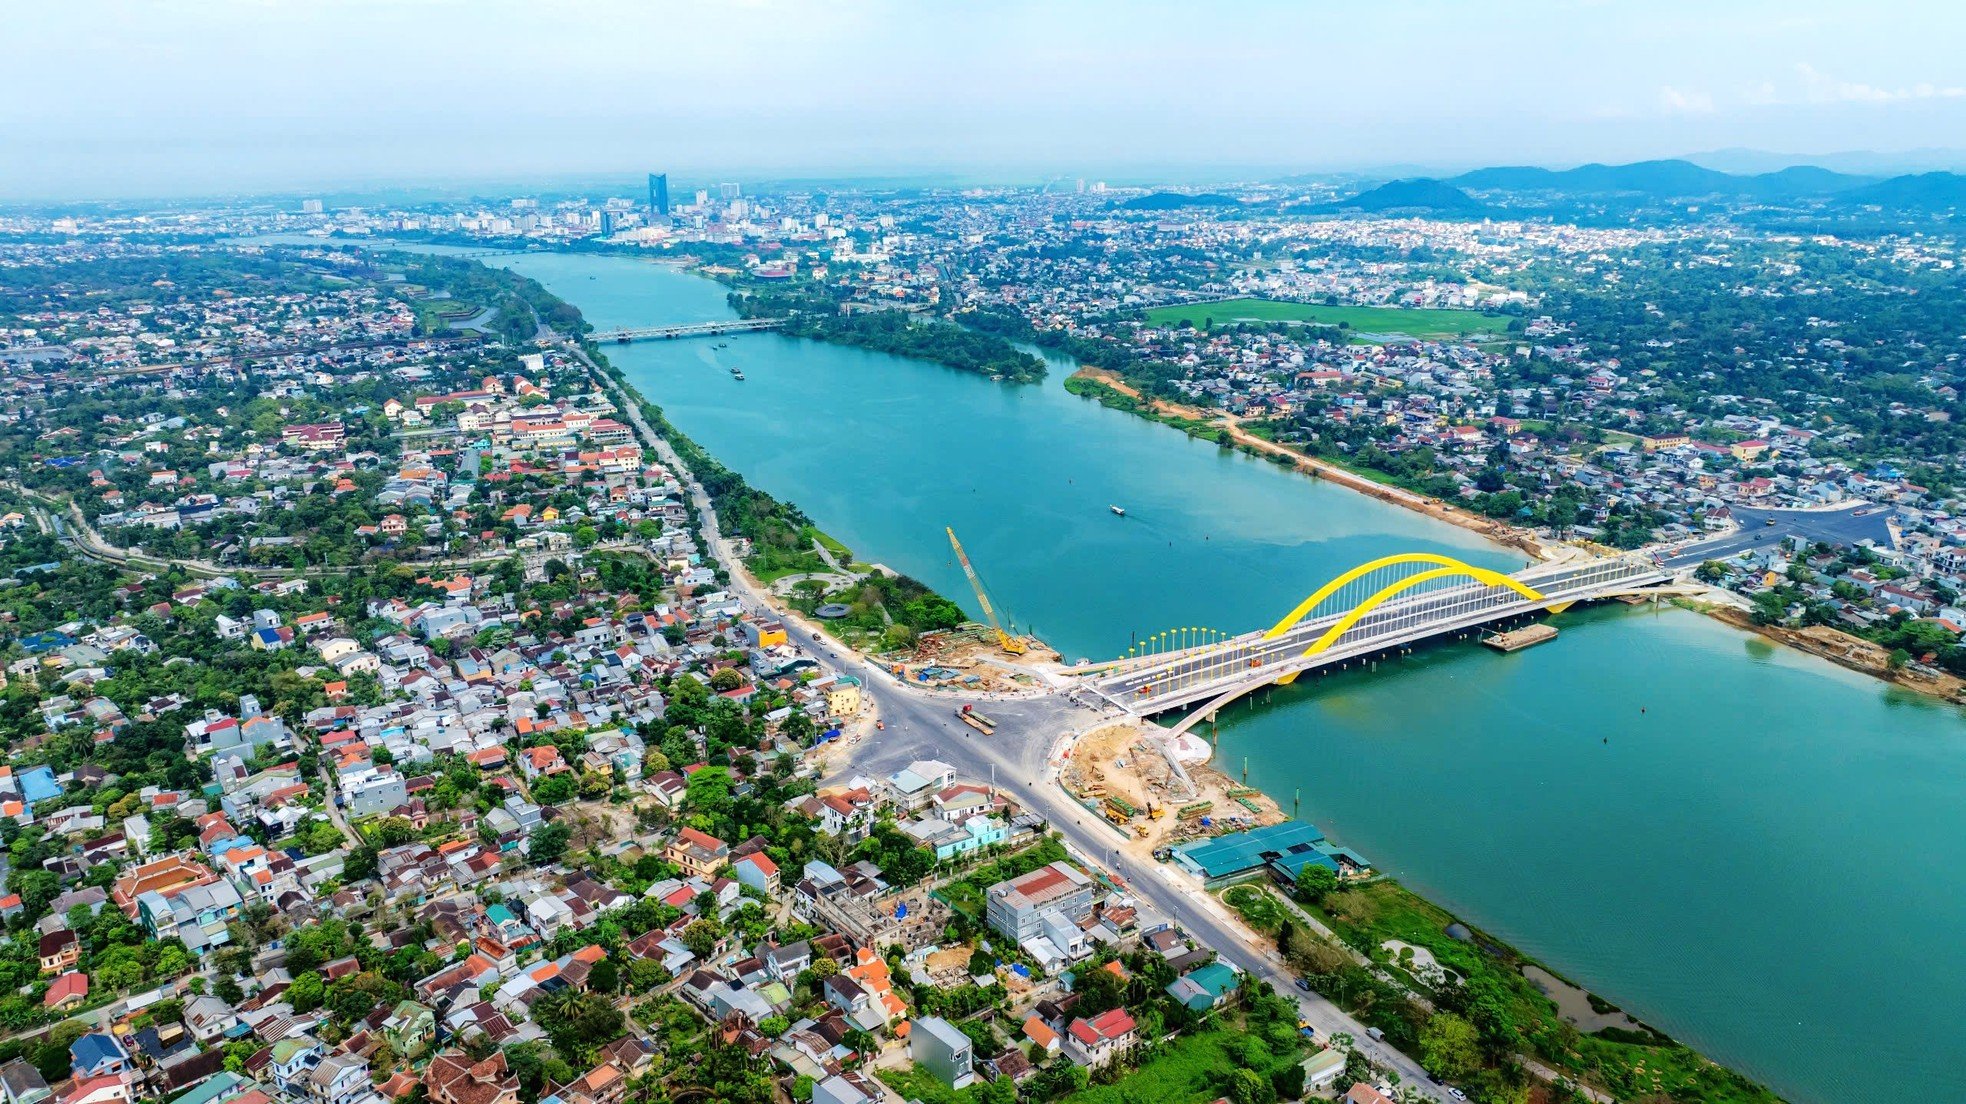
1007 642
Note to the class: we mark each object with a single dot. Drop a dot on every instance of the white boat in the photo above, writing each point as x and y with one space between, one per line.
1119 511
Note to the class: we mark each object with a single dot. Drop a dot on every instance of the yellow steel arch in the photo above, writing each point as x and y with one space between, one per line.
1390 591
1452 566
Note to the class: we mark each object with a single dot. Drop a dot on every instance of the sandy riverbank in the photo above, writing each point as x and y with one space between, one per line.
1845 650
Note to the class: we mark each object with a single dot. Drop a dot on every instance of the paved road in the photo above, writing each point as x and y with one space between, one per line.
1847 525
333 807
921 724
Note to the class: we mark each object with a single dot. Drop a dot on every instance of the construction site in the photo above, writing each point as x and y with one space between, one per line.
971 658
978 657
1122 773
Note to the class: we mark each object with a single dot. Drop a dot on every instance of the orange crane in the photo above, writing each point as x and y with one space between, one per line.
1010 644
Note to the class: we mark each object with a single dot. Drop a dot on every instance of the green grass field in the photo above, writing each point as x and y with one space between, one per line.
1193 1068
1420 322
1256 906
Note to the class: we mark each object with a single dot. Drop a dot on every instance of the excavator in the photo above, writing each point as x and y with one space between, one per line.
1011 645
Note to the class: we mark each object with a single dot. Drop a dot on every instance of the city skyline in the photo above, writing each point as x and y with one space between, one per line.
118 100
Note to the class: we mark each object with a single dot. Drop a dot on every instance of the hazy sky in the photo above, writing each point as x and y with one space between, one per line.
101 98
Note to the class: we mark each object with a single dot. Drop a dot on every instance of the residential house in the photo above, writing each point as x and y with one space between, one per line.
936 1045
1099 1040
699 853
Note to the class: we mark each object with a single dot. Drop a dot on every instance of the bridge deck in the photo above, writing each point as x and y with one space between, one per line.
690 329
1252 660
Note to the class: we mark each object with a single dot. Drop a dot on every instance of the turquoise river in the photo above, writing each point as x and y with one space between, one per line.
1750 848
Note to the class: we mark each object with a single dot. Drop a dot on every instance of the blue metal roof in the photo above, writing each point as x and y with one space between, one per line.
94 1049
1241 851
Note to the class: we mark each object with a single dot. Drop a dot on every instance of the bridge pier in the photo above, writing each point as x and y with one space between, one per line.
1389 623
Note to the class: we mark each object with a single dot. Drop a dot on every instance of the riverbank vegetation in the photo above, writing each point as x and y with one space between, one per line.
812 314
1111 396
1257 906
907 335
520 304
1470 1023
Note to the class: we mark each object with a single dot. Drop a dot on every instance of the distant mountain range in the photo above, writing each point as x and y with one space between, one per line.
1660 181
1860 162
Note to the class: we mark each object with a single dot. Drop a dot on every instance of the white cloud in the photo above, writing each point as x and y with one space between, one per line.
1681 101
1821 88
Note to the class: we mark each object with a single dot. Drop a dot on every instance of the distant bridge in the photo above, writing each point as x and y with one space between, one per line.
694 329
1376 607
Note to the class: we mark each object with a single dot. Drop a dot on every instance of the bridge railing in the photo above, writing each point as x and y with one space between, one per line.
1402 618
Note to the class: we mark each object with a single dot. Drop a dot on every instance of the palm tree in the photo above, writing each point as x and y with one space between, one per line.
561 1006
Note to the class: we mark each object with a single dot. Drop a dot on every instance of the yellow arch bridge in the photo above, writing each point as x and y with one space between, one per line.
1382 606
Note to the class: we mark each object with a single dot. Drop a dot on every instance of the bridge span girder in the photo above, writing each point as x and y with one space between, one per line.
1412 607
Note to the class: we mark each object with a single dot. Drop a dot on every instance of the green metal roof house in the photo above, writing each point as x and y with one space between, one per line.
1205 988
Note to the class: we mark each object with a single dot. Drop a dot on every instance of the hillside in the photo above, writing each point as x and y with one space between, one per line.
1422 194
1932 191
1170 201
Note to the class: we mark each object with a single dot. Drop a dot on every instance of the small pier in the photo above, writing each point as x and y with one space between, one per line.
1515 640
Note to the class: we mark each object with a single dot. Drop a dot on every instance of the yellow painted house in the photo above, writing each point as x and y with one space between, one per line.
843 697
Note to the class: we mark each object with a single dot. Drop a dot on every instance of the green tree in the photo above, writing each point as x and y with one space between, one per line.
548 843
701 937
1314 883
307 992
606 976
1246 1086
554 789
1449 1046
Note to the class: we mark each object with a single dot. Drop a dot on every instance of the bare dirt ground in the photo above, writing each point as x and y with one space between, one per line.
1853 652
1122 761
978 664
